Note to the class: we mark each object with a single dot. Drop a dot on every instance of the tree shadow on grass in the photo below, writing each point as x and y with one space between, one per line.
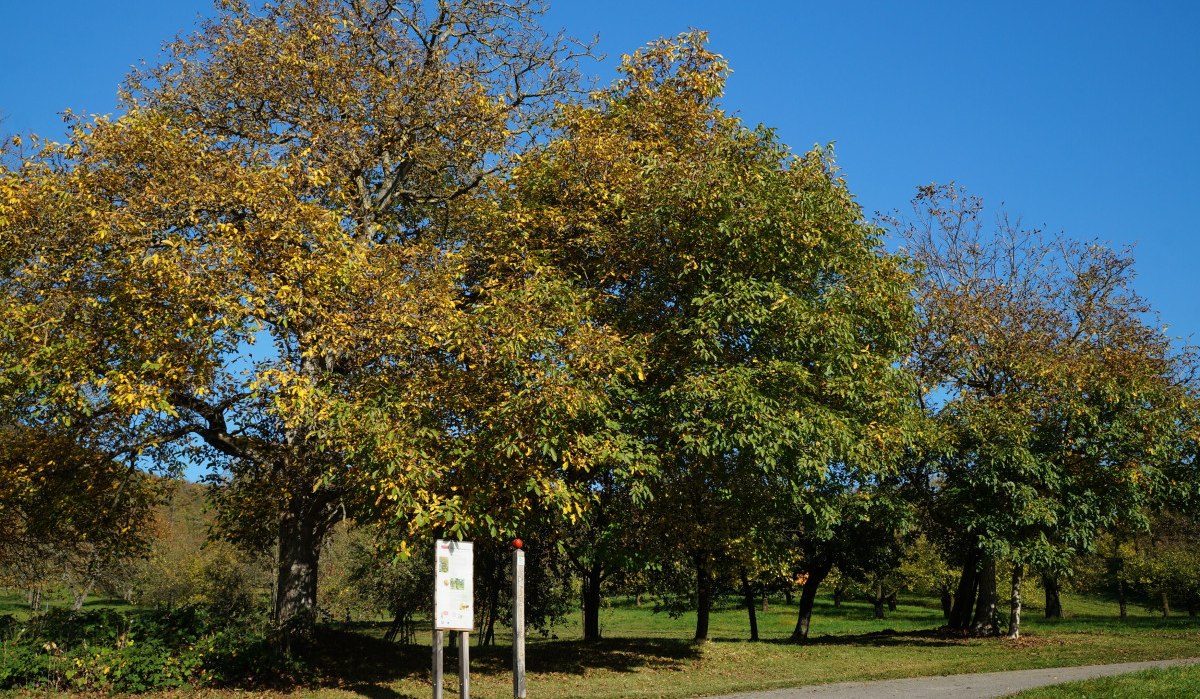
366 664
921 638
613 655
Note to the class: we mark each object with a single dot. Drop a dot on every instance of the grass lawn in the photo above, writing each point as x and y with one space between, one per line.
1168 682
15 603
645 654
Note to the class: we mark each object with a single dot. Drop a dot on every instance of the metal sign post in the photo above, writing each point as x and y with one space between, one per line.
518 620
437 664
453 607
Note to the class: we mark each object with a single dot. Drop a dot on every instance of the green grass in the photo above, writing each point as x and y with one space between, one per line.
645 654
17 605
1168 682
649 655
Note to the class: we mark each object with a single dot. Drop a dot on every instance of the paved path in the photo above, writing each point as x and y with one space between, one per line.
977 686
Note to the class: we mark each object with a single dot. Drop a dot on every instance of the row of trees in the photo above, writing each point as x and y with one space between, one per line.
381 260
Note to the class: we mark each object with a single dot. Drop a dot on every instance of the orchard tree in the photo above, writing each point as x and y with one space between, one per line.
70 513
1063 408
770 316
289 257
854 525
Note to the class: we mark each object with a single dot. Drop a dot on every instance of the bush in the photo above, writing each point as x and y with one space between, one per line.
134 652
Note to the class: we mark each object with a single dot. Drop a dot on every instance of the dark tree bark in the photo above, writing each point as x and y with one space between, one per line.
704 595
964 596
751 603
893 601
301 529
1166 604
877 601
1053 596
489 636
593 578
947 601
1122 602
984 621
808 597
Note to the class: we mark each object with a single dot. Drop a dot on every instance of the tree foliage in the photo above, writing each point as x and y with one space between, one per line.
1063 408
770 315
280 258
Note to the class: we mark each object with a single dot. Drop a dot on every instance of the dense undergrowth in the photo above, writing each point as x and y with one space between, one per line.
138 650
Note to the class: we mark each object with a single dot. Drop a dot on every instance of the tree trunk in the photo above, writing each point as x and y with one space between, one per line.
839 592
297 558
592 580
964 596
984 621
751 604
704 596
808 597
789 595
395 628
489 636
877 601
1166 604
893 600
1122 603
947 601
1053 596
1014 614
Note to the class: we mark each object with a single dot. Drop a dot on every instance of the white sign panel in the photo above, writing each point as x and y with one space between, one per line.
453 586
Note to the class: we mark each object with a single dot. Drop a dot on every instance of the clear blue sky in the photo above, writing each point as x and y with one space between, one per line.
1081 117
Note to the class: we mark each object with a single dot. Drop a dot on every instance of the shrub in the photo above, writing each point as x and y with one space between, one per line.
134 652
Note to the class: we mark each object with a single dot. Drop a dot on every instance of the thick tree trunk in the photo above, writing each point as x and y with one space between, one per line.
877 601
947 601
839 593
297 558
751 603
592 579
704 596
984 621
1166 604
893 601
1122 603
1014 614
1053 596
964 596
808 597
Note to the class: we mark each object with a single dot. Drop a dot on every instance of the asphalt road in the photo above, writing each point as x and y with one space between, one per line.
977 686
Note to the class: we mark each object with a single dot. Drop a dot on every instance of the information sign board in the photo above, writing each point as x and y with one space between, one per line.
453 587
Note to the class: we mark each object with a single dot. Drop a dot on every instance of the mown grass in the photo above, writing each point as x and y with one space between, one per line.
648 654
16 604
1167 682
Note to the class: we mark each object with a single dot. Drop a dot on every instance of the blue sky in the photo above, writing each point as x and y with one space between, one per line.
1080 117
